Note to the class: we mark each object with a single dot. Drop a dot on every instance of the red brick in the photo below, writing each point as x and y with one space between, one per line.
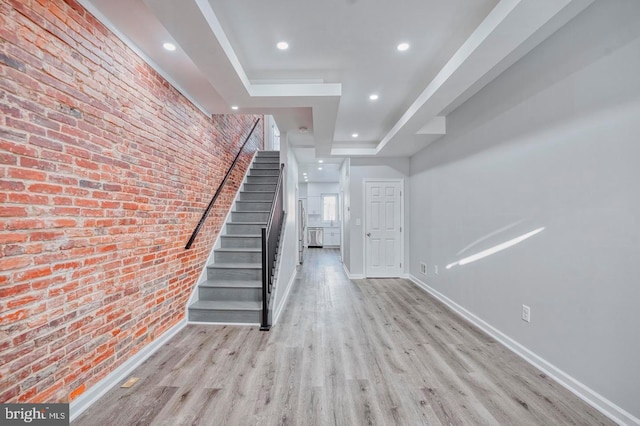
7 211
45 188
63 223
7 185
16 148
27 174
6 158
8 318
24 224
33 163
9 263
22 198
32 274
6 238
16 303
102 188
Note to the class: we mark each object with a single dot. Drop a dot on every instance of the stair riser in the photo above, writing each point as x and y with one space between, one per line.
265 166
234 274
235 257
255 196
263 172
241 228
242 242
262 159
224 316
225 294
243 206
262 179
239 217
259 187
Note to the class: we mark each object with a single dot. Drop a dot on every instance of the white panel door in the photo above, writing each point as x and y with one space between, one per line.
383 244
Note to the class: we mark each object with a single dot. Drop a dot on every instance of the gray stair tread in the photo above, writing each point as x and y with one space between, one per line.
227 305
235 266
251 211
240 249
242 236
231 283
246 223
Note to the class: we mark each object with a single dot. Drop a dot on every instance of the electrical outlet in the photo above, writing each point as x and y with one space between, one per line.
423 268
436 269
526 313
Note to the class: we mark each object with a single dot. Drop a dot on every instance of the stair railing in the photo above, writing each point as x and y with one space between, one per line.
270 241
219 190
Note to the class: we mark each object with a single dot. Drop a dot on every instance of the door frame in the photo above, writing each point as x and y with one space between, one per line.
364 221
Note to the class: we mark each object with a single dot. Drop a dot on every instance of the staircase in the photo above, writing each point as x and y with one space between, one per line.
232 292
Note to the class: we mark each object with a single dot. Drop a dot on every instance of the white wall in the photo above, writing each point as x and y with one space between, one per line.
316 189
345 187
371 168
288 257
552 143
271 134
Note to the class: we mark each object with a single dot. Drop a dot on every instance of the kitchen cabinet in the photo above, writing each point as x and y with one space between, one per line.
314 205
331 237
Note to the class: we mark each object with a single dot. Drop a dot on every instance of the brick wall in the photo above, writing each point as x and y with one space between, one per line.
105 170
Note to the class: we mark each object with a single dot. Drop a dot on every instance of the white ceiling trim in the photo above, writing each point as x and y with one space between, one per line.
501 34
277 90
221 36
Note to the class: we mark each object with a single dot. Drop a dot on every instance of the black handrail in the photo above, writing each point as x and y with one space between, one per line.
270 242
219 190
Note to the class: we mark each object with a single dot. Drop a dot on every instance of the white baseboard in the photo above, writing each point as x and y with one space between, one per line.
280 307
95 392
585 393
352 276
245 324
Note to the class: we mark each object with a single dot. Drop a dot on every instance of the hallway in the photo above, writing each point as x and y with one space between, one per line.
344 353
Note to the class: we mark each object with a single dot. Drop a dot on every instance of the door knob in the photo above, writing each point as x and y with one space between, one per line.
368 234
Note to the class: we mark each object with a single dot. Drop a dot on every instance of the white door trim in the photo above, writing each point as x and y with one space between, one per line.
364 221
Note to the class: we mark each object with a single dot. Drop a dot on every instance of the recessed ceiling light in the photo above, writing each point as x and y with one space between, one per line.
403 46
169 46
283 45
234 107
320 161
373 97
319 168
354 135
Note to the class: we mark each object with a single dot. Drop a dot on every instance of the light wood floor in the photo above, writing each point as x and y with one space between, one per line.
377 352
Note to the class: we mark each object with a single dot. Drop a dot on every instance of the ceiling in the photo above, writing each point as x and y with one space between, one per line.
340 52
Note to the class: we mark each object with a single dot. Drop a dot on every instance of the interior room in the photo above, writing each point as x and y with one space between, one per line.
346 212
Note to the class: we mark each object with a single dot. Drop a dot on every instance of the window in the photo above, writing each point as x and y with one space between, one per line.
329 207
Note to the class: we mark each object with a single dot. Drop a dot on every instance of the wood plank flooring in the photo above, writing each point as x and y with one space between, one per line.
364 352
